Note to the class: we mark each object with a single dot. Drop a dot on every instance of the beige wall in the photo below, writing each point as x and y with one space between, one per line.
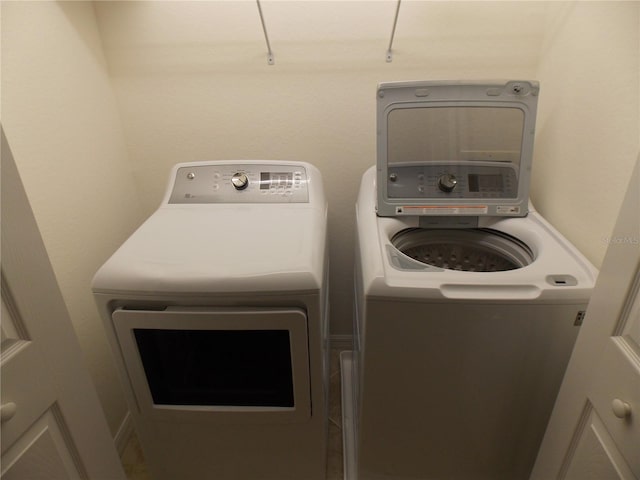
61 121
95 134
589 119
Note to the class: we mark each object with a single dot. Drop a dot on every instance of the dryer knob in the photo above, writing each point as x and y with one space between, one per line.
240 181
447 182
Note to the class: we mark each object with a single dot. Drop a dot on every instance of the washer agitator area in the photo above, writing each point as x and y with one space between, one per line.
468 250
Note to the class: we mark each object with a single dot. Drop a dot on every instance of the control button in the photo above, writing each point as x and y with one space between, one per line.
447 182
240 181
393 177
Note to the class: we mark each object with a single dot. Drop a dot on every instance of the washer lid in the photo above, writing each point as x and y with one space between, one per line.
455 148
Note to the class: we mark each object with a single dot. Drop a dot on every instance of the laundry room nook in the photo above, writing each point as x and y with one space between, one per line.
321 239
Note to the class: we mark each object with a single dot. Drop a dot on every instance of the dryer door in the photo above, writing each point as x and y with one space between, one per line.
220 365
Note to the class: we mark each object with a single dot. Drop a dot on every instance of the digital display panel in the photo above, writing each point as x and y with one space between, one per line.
275 179
484 183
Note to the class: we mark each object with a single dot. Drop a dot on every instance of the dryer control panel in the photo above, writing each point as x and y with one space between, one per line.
240 183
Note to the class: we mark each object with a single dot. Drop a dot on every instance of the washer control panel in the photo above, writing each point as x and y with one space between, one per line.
240 183
452 181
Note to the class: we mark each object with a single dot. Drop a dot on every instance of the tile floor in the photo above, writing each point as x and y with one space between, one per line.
135 468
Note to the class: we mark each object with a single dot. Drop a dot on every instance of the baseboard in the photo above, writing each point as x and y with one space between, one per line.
341 342
123 434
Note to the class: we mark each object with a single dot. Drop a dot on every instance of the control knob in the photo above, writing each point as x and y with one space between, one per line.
447 182
240 181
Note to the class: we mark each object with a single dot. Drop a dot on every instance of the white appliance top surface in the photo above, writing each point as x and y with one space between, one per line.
222 248
555 258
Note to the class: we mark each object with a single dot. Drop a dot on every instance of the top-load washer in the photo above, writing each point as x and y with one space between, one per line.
216 311
468 302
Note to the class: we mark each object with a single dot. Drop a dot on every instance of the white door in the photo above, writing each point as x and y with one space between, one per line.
594 431
53 426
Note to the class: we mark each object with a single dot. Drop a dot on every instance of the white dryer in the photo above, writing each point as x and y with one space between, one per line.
216 311
468 302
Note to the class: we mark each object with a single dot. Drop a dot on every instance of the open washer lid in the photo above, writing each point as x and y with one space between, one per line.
455 148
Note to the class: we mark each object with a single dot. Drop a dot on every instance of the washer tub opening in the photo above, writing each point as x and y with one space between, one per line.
469 250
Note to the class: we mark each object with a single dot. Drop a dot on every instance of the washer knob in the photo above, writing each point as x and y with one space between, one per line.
240 181
447 182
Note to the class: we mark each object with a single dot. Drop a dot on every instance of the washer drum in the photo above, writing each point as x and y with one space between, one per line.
469 250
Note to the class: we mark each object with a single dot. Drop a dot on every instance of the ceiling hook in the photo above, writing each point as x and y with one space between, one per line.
270 59
393 33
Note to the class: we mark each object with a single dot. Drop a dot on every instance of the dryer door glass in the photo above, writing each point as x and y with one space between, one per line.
217 363
217 367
